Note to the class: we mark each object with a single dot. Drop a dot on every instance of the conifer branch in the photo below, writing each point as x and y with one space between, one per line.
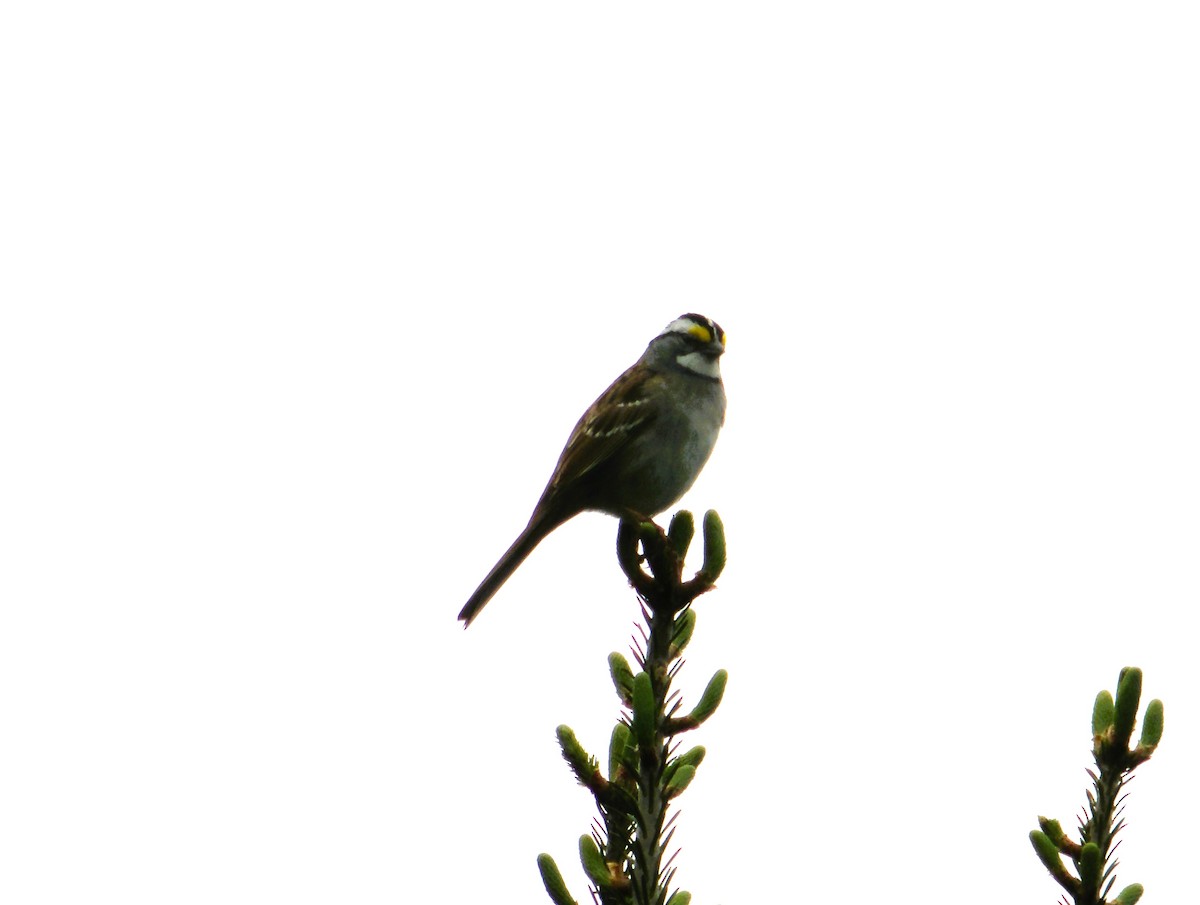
626 855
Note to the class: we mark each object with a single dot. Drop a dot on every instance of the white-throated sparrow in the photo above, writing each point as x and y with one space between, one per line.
638 448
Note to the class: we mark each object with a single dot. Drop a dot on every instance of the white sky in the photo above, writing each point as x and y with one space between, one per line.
301 300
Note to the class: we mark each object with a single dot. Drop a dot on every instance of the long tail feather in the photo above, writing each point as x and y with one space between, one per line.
534 533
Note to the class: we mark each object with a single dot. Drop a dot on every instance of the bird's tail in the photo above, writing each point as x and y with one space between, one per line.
534 533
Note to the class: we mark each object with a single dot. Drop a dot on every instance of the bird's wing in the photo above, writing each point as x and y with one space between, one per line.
623 410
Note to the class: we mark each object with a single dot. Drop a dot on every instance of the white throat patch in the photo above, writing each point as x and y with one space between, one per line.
699 363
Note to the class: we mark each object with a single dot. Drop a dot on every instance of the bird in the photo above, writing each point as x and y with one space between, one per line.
637 449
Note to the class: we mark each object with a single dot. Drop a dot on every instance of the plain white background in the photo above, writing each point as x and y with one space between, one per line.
300 302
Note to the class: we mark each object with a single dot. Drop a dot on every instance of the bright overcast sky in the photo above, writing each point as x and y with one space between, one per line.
300 302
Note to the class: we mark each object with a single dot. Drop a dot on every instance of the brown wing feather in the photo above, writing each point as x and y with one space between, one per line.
623 409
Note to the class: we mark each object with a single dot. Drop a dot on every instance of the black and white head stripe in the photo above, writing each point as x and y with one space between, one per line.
698 326
705 344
